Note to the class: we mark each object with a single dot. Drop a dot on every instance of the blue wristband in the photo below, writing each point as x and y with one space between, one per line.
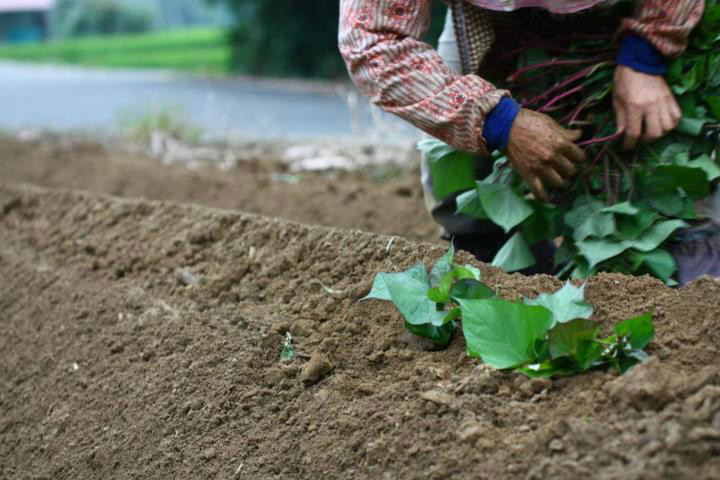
499 122
639 54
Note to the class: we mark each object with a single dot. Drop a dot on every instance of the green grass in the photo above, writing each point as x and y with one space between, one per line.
196 50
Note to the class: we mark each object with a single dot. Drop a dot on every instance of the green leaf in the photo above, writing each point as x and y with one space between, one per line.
514 255
467 271
566 304
409 292
379 289
549 369
576 339
470 289
441 292
288 351
453 314
599 250
638 330
503 205
581 210
691 126
442 267
653 237
660 263
434 149
713 102
582 269
440 335
598 225
468 203
707 165
668 178
452 171
667 203
624 208
503 333
672 152
544 223
629 358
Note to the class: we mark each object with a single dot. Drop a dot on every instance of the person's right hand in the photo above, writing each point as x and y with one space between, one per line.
540 150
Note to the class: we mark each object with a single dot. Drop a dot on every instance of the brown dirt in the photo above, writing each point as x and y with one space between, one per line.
383 202
111 366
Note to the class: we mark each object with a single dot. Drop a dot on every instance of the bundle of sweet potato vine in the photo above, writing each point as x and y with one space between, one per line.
624 206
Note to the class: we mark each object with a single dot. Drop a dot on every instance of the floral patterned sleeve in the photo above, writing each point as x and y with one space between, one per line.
666 24
380 41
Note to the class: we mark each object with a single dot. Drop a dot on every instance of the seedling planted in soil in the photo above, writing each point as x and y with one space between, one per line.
548 336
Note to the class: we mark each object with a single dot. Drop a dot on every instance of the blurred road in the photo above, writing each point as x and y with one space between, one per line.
69 98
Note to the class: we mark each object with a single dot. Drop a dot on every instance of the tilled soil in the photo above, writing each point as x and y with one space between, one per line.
142 340
376 201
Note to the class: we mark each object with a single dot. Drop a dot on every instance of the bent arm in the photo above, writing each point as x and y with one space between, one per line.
380 41
659 30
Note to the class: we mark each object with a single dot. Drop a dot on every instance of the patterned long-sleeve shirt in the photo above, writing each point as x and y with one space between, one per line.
380 41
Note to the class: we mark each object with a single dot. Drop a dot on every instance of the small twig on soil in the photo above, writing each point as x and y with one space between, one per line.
390 244
330 291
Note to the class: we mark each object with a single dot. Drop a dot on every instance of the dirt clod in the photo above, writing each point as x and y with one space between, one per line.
470 431
437 397
315 370
646 386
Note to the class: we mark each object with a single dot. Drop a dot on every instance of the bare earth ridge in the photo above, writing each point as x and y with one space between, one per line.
141 339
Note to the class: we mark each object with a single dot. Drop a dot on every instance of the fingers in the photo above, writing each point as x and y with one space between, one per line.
572 135
675 111
564 166
574 153
571 151
538 190
661 120
653 126
554 178
667 121
633 129
620 116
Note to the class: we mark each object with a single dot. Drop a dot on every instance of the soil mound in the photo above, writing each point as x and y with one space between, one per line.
142 340
388 202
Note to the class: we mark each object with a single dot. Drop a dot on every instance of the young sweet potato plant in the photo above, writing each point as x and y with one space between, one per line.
548 336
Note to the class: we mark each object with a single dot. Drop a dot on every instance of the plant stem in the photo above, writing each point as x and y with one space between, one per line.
560 97
593 141
567 81
555 63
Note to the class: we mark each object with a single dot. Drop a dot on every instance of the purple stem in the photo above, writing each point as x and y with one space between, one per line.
573 116
560 97
555 62
593 141
575 76
600 154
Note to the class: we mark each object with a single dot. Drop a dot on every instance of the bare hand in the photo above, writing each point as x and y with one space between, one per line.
540 150
645 107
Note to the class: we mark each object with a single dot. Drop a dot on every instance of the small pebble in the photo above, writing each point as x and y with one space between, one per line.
209 453
557 445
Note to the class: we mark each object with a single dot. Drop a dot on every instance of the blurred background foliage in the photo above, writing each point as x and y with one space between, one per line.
74 18
293 38
279 38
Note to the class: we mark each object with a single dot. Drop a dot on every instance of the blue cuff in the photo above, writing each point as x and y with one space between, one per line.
499 122
639 54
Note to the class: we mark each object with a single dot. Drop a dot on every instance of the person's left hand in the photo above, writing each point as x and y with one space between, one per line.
645 107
